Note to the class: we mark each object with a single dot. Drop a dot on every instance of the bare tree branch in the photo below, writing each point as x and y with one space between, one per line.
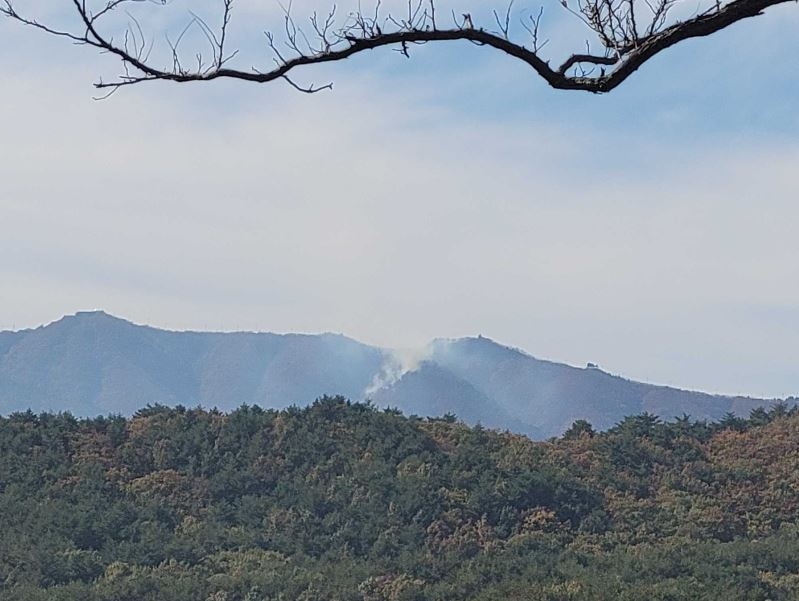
631 32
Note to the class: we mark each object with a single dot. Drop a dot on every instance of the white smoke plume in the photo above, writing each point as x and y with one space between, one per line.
397 363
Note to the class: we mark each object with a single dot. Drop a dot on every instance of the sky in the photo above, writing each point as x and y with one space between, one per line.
652 230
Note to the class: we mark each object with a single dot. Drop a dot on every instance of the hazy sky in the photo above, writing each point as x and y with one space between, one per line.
652 231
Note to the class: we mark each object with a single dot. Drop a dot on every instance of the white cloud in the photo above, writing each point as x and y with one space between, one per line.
383 213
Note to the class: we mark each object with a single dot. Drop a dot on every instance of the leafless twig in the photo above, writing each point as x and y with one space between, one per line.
630 32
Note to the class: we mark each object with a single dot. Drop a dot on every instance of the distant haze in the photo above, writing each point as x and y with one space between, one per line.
93 363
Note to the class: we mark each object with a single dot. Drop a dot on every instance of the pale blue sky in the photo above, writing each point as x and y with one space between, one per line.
652 231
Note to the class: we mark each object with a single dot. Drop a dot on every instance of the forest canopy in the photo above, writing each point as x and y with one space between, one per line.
343 501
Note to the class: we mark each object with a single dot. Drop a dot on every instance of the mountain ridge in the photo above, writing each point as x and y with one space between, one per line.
92 363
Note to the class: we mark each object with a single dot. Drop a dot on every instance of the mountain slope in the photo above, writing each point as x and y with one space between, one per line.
92 363
558 394
433 390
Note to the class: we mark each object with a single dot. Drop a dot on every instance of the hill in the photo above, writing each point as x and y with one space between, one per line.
342 501
92 363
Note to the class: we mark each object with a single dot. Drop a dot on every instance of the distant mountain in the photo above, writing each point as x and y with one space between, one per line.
434 390
92 363
551 396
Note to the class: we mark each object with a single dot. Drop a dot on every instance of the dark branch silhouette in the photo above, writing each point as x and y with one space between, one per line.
629 32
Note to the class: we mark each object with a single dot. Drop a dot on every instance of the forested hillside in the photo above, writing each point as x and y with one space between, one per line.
343 501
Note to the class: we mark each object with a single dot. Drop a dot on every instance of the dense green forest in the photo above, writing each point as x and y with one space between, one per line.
344 501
